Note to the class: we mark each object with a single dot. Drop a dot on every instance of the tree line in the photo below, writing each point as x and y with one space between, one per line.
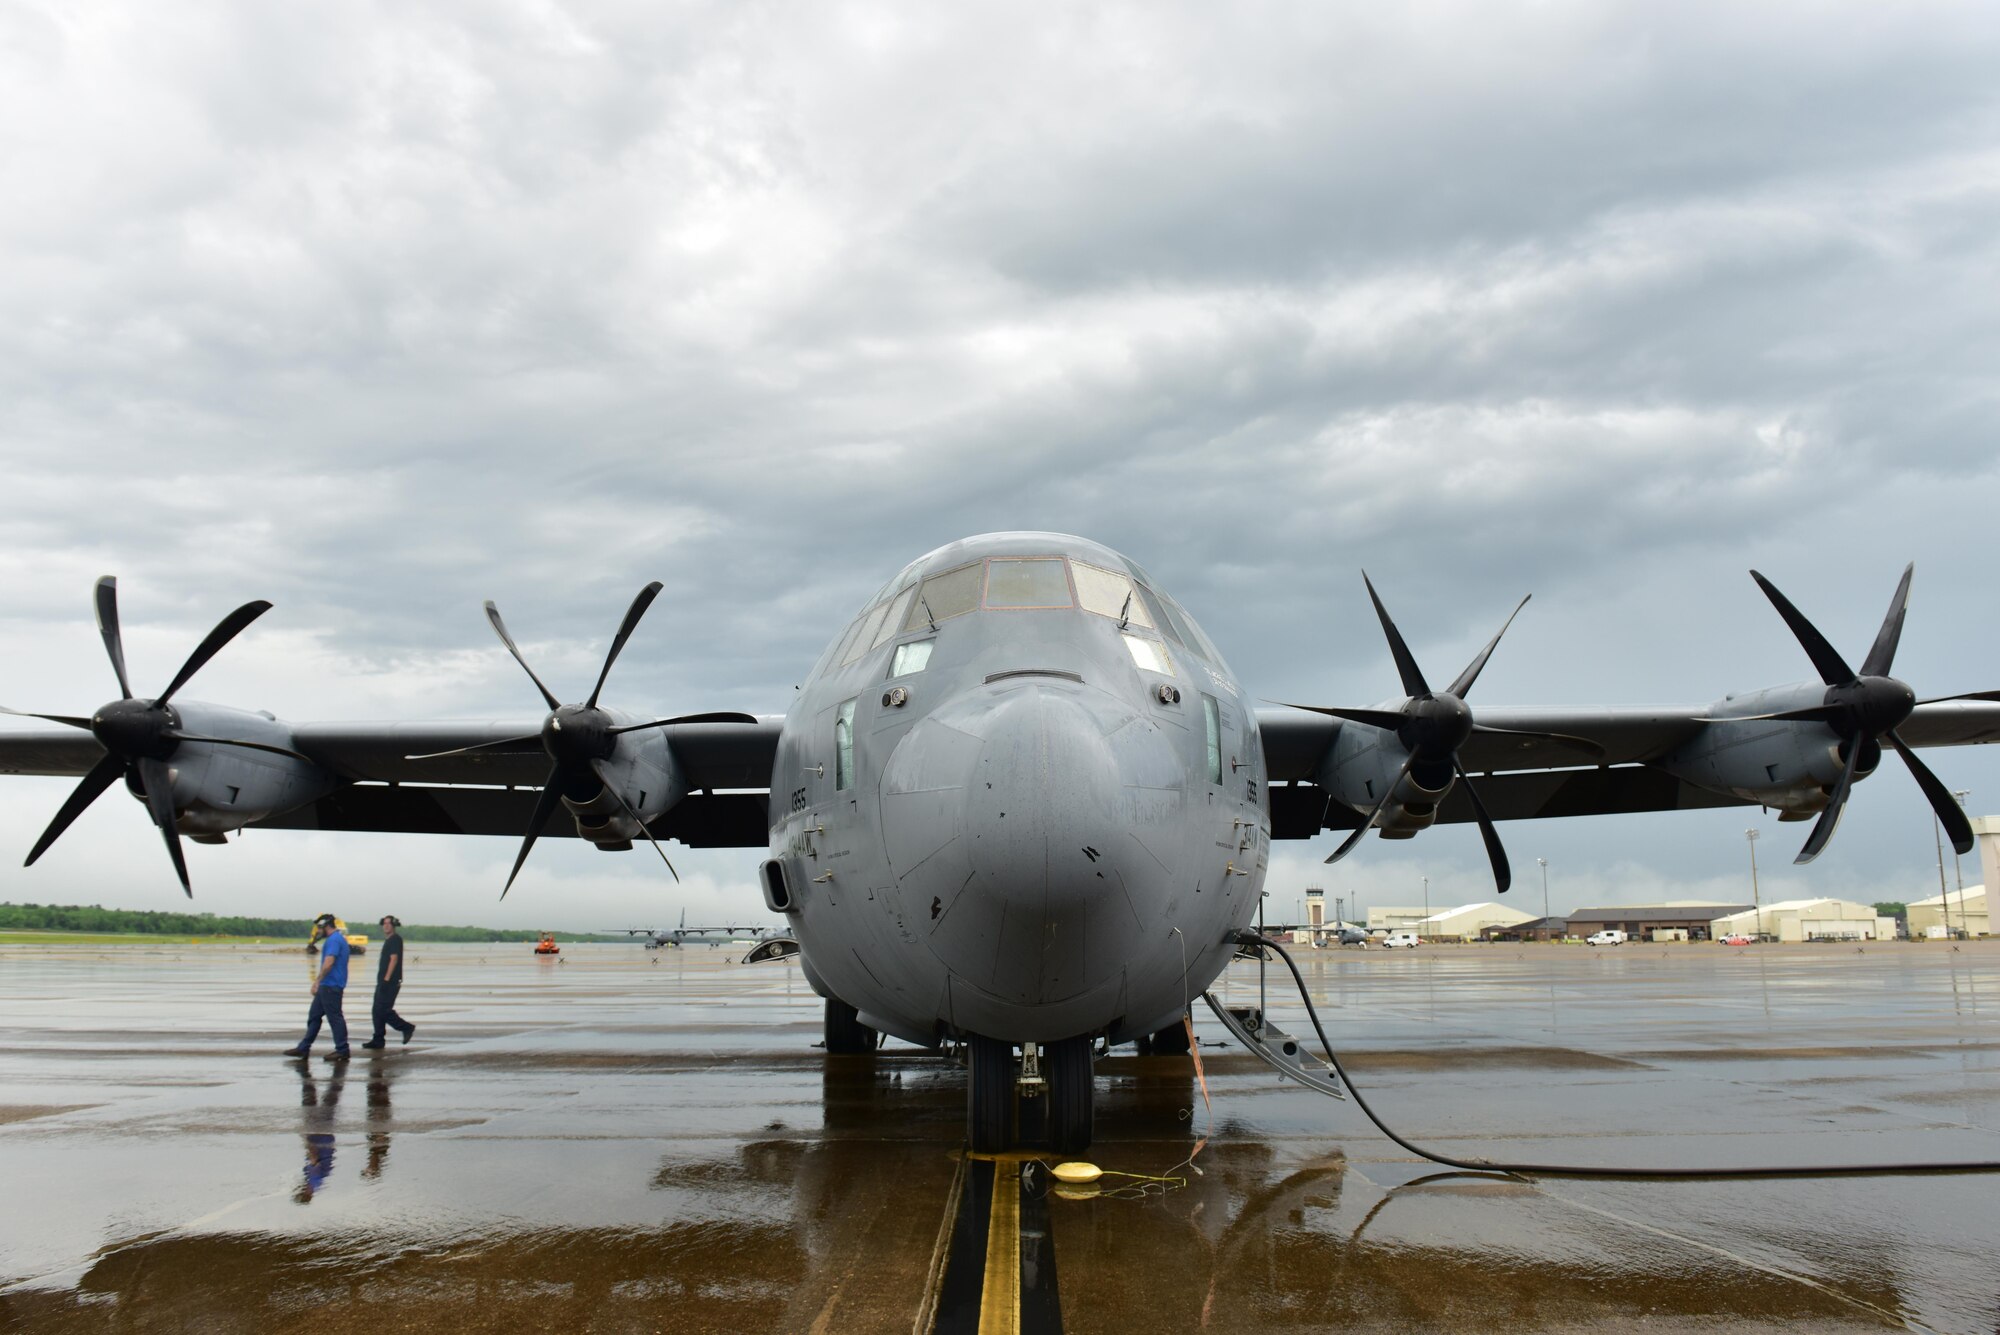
152 922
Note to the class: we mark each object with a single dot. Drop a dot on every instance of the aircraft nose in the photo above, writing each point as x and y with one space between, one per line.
1053 871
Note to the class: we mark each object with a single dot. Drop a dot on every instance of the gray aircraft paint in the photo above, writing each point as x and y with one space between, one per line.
1032 846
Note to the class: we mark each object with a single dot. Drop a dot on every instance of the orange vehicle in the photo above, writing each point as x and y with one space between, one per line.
547 945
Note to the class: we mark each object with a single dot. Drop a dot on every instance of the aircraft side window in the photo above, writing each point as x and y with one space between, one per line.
892 624
1150 655
865 641
843 747
912 657
847 641
943 596
1026 582
1156 608
1211 717
1106 592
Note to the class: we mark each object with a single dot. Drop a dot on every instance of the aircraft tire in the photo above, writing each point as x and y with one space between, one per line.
844 1031
1071 1094
1169 1042
989 1094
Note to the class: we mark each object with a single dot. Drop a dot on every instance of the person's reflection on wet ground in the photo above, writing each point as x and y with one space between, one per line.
317 1110
379 1114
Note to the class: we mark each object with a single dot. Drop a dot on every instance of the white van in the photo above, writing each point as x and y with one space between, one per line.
1395 939
1610 936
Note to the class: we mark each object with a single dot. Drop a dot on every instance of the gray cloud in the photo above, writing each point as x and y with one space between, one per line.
382 311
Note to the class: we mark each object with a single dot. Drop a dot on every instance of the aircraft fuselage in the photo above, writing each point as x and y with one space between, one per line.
1021 797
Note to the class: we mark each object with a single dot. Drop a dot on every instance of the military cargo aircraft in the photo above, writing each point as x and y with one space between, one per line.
658 938
1021 803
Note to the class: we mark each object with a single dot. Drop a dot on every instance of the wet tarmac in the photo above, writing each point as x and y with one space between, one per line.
624 1139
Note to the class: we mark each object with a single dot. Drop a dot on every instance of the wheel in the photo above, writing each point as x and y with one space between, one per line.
989 1094
844 1030
1170 1042
1066 1065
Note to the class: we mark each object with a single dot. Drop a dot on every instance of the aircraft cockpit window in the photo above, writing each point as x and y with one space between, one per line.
843 746
1150 655
911 658
1158 607
943 596
1108 593
1026 582
864 640
892 624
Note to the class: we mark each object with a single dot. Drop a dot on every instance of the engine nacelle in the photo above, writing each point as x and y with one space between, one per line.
1790 766
1363 763
217 789
646 774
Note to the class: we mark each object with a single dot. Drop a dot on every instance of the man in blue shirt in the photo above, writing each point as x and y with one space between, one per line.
328 989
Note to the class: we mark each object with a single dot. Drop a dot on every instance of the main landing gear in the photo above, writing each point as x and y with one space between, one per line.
1050 1085
844 1031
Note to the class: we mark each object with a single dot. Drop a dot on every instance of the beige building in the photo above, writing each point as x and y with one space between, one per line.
1958 910
1808 920
1467 921
1394 919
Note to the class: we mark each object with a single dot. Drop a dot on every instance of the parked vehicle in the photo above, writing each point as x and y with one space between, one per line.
1408 939
1610 936
1736 939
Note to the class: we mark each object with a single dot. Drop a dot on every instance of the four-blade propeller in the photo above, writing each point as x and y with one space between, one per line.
1432 726
139 736
1863 709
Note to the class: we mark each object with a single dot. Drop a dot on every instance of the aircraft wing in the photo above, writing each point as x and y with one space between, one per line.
1581 762
727 765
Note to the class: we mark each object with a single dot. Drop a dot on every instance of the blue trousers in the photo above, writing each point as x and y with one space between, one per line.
326 1006
385 1011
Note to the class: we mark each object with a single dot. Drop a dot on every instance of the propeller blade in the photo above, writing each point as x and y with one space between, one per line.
1949 813
1503 874
1833 669
545 806
1478 665
1883 652
64 719
500 629
504 744
1567 739
1968 695
1386 719
625 629
101 776
233 741
225 630
107 626
1406 664
597 768
1811 714
720 716
160 801
1347 845
1822 829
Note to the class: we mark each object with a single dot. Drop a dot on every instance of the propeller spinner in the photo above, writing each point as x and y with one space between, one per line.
139 736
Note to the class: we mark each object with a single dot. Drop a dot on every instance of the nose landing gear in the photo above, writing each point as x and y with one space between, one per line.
1054 1089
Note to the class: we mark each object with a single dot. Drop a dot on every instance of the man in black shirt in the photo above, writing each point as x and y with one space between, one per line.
388 982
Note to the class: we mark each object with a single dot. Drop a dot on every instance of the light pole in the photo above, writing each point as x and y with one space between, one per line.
1427 899
1944 891
1755 899
1545 894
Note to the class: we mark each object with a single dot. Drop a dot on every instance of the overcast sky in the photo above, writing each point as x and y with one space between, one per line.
378 311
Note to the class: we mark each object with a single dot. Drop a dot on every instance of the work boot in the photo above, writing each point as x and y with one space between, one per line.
298 1052
374 1044
409 1034
338 1055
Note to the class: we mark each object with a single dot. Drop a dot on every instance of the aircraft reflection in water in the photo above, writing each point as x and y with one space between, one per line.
1021 803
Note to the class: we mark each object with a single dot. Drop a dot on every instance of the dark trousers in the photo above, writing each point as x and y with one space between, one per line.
326 1006
385 1011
